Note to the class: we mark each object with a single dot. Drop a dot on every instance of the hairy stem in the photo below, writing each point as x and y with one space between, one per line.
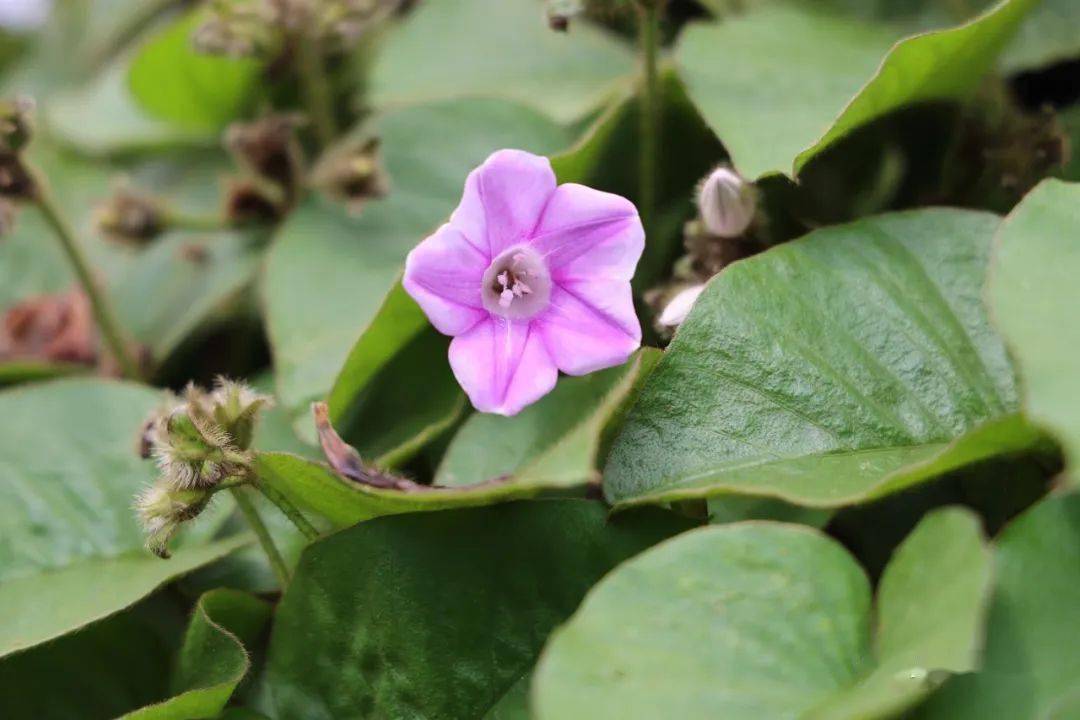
649 12
290 511
316 89
277 562
99 302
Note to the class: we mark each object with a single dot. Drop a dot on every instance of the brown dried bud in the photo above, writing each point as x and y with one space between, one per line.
16 181
15 123
352 172
268 149
131 218
51 328
346 461
251 201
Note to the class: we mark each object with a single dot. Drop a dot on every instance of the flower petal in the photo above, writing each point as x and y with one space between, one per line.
443 274
585 333
588 233
502 366
503 200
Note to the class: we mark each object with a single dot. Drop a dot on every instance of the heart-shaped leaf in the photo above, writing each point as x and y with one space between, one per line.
851 363
805 78
72 551
1030 660
769 620
494 48
332 656
1034 294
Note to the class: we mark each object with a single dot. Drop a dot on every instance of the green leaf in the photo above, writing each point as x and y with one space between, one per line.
1030 657
98 673
765 620
412 401
102 118
493 581
167 293
556 441
213 659
1033 292
848 364
1050 34
72 551
174 82
801 71
552 462
498 48
329 272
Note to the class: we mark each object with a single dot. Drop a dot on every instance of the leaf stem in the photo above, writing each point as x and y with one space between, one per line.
316 88
649 12
290 511
273 555
99 302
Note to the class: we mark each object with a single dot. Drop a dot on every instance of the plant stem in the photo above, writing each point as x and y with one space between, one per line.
316 88
649 12
99 303
277 562
290 511
175 220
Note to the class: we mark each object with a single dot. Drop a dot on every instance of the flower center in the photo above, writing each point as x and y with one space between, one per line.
517 284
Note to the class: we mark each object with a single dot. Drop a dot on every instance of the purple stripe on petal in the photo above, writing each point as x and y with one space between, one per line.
582 338
587 233
503 200
502 366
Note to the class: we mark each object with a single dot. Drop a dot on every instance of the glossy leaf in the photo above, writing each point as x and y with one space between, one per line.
498 48
1034 294
171 80
807 78
329 272
72 551
331 656
768 620
1030 658
848 364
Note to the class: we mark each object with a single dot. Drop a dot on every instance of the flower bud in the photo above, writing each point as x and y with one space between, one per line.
161 509
15 123
352 173
16 181
130 218
268 149
679 307
560 12
253 201
236 408
727 203
191 451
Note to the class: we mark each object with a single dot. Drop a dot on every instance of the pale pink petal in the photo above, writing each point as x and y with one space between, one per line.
443 274
502 365
585 334
588 233
503 200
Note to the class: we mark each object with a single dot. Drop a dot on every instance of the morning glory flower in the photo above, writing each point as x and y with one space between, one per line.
529 278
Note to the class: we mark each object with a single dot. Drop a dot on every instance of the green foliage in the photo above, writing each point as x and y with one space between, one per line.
437 53
1032 302
174 82
809 78
433 636
851 363
769 620
742 521
73 553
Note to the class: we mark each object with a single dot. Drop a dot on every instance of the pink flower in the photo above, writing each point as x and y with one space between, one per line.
529 279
